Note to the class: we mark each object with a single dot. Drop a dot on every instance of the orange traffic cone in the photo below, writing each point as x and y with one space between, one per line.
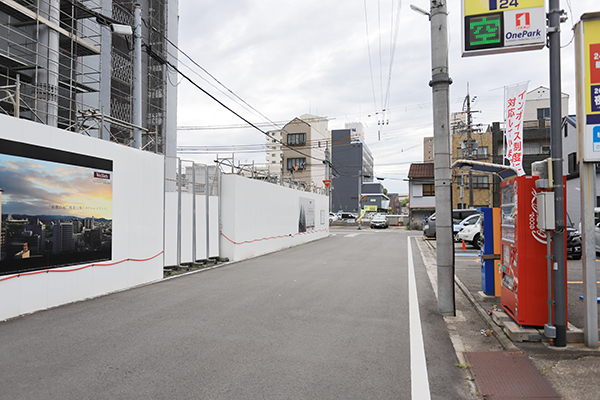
464 247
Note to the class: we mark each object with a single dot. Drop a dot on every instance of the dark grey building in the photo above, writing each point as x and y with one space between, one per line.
352 165
373 195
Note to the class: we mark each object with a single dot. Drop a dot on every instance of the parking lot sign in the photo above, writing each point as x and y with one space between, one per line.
588 66
502 26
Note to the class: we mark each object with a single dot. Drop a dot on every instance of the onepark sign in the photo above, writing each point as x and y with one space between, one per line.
502 26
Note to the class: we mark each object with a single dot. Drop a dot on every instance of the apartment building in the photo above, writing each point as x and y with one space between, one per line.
306 138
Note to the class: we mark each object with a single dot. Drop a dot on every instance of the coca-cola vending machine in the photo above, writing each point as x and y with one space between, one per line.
524 291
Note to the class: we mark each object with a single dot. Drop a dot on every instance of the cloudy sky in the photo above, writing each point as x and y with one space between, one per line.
287 58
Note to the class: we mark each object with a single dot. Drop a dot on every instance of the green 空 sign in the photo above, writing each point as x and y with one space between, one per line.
484 31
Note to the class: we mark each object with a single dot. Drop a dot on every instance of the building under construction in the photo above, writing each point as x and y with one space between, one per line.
68 64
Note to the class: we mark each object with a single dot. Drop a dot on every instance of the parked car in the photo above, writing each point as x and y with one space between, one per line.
379 221
457 216
573 240
332 217
471 219
472 233
346 215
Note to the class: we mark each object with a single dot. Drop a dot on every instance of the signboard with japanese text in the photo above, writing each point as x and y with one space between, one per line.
502 26
514 108
56 208
591 80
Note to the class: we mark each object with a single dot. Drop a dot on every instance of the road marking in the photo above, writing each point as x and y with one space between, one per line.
418 363
358 233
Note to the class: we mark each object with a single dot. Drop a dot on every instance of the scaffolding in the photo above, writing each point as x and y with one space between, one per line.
61 65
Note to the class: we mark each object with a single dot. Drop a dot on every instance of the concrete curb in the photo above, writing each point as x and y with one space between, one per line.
499 334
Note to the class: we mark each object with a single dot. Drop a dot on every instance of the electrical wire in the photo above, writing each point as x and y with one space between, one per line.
237 114
572 25
213 77
167 62
395 30
369 51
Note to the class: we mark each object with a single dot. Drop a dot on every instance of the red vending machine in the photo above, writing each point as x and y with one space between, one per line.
524 291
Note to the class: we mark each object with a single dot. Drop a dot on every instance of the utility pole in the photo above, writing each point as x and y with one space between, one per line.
470 145
558 237
327 176
440 85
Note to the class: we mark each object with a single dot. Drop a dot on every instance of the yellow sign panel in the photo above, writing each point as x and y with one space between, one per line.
370 208
475 7
591 31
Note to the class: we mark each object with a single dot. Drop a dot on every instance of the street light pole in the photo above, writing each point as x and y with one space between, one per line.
440 84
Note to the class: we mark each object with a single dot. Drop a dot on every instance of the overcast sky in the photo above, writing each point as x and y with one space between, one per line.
289 58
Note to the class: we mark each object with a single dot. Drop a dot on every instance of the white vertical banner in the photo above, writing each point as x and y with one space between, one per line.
514 109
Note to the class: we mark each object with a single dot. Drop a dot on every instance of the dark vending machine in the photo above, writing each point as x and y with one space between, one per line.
524 290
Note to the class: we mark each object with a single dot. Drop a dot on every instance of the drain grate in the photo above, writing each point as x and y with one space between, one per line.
508 375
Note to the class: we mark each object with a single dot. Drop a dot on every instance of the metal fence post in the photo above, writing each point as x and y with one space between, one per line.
179 212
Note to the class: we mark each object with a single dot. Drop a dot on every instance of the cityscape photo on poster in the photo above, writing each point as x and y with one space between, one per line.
56 208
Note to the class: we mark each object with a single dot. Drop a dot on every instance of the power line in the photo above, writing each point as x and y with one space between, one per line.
212 76
167 62
369 51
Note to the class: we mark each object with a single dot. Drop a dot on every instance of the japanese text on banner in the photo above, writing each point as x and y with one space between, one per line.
514 109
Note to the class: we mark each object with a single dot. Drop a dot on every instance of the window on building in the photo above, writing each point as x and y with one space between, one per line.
572 163
543 113
481 182
429 189
299 163
296 138
531 148
482 152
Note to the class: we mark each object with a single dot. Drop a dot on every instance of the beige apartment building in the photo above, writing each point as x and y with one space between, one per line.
306 139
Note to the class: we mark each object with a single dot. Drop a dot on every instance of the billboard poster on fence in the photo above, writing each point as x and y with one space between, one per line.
56 208
306 221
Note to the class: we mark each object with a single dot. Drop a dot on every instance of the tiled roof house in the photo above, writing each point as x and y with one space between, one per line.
421 192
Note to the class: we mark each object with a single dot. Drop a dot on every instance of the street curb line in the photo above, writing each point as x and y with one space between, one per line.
499 334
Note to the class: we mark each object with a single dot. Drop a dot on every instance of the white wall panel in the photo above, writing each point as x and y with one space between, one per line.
186 227
137 216
214 238
259 217
10 303
171 228
201 251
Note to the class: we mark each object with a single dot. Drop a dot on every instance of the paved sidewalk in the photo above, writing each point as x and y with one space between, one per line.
572 371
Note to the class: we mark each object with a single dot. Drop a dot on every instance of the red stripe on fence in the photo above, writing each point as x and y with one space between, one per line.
79 268
273 237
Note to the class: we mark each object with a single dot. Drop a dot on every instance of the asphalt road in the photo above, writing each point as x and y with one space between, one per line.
326 320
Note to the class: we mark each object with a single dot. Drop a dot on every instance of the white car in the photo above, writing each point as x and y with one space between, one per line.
471 219
333 217
472 233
